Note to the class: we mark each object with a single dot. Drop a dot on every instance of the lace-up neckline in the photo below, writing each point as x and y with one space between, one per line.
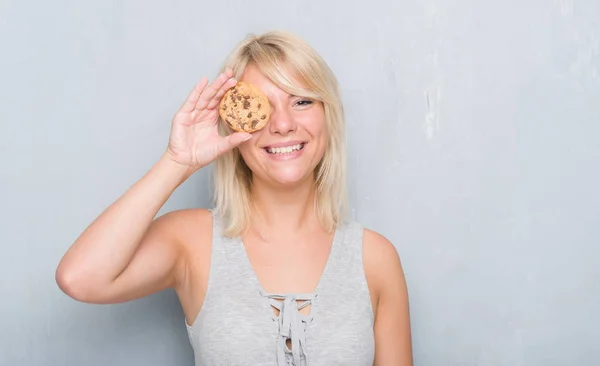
292 327
292 323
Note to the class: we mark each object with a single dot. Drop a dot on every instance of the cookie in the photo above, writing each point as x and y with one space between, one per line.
245 108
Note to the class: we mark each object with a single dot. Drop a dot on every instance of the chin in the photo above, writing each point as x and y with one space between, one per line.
289 177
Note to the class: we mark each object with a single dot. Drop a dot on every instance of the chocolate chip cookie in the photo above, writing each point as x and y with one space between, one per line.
245 108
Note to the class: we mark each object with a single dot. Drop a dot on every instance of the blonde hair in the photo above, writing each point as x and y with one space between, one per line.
284 58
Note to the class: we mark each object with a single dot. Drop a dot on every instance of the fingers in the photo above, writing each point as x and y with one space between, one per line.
217 98
213 93
192 99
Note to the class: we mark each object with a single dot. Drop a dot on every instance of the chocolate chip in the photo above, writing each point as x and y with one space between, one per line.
259 105
246 104
250 115
263 116
254 123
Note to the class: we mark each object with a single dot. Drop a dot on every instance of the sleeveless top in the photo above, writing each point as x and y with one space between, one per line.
237 325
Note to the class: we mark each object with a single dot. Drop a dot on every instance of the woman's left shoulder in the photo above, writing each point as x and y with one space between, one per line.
379 250
381 261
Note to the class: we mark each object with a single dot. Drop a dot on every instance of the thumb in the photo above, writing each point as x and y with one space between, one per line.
233 140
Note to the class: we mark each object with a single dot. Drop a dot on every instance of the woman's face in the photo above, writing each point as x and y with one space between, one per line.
287 150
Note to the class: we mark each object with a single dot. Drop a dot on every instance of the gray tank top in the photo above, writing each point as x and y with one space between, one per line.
237 324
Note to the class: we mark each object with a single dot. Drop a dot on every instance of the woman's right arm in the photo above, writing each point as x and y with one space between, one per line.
125 253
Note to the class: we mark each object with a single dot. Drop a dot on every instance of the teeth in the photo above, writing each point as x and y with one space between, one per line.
284 150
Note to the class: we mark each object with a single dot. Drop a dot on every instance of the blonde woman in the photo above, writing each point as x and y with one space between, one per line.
274 273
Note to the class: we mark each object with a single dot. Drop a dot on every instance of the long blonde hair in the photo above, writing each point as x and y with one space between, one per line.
279 56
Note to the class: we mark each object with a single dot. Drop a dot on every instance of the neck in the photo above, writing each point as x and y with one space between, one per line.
284 209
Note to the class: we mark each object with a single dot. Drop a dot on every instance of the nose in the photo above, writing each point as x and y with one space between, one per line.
281 121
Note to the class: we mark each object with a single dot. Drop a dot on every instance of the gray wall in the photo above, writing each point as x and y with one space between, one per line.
473 132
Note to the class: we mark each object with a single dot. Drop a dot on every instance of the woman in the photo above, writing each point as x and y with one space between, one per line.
273 274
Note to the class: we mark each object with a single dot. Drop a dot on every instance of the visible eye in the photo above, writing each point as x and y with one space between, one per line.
304 102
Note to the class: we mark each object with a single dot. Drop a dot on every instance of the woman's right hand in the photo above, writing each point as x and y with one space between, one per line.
194 140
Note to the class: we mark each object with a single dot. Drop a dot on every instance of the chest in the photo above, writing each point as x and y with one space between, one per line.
295 267
254 311
235 331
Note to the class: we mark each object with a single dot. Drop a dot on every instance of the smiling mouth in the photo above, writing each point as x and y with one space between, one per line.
284 150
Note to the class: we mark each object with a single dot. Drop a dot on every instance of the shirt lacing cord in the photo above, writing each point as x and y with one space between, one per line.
292 326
